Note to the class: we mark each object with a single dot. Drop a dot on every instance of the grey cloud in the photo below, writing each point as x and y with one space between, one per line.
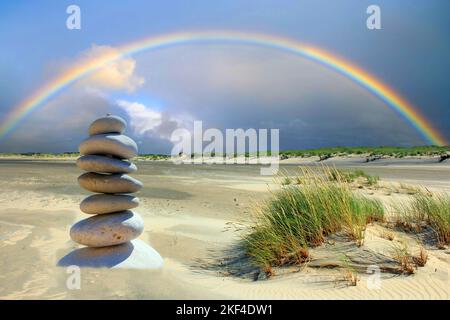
252 87
59 125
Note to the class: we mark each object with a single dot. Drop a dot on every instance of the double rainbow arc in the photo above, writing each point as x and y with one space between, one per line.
363 78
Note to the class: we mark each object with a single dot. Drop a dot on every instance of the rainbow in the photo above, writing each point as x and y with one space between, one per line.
81 69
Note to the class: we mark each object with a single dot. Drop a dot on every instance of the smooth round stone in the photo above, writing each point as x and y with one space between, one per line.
135 254
109 183
117 145
108 124
107 229
102 164
108 203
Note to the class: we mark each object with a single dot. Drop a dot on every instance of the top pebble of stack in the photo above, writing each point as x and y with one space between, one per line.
106 138
108 124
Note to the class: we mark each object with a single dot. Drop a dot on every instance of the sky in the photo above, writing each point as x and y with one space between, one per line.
225 85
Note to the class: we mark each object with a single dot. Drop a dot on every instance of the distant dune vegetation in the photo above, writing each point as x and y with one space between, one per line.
372 153
396 152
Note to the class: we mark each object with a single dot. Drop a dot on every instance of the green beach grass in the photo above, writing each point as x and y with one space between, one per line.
426 208
302 216
351 175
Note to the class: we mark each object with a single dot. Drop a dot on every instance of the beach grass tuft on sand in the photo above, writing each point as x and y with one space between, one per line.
301 216
426 208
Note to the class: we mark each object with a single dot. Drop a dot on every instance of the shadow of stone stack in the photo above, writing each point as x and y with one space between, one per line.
110 232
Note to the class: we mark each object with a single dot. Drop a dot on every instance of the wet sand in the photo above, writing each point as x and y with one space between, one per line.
193 216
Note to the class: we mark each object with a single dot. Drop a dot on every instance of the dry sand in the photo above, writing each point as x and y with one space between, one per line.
193 216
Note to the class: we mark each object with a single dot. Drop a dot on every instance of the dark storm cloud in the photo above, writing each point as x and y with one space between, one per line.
257 88
59 126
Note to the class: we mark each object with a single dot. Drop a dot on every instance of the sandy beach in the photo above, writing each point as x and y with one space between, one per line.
193 217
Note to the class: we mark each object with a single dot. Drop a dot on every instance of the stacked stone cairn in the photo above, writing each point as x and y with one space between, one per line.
105 156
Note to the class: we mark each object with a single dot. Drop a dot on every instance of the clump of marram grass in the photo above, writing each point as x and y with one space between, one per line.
351 176
387 235
409 189
350 276
422 258
301 216
286 181
372 180
404 258
430 209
